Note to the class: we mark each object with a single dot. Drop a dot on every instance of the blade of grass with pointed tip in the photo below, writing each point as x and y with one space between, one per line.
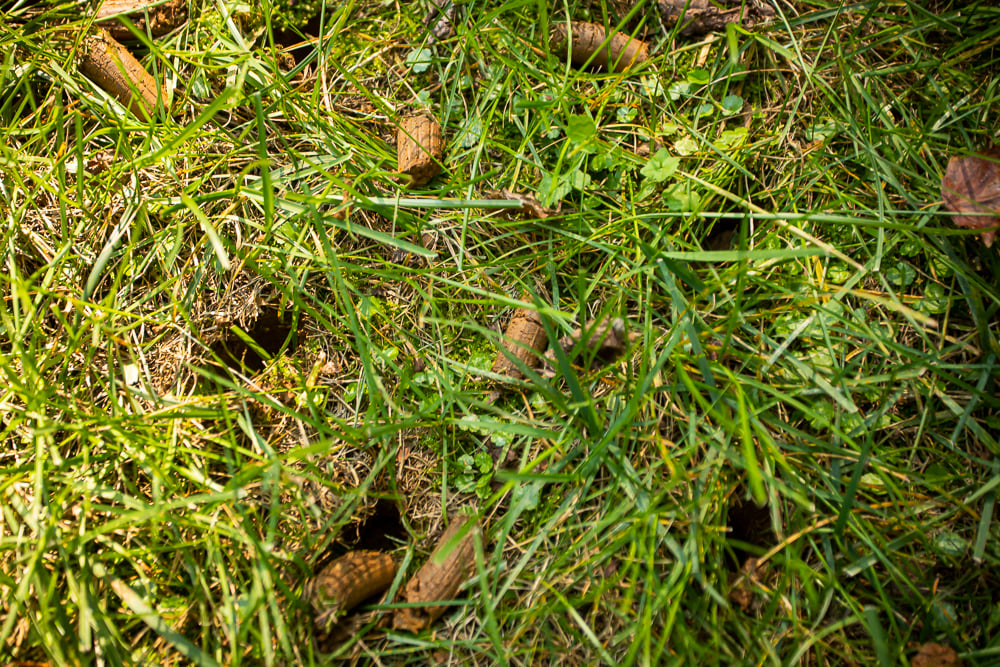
210 232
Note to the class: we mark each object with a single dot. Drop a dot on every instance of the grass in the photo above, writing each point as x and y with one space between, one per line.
233 348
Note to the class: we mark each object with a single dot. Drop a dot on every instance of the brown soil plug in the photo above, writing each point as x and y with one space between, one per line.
157 20
700 16
451 564
347 582
110 65
621 53
419 147
606 342
524 338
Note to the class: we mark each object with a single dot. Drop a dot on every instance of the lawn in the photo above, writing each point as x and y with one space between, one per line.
236 344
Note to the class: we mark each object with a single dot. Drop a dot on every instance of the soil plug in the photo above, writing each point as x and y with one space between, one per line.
606 342
157 20
621 52
451 564
110 65
530 206
525 338
418 148
700 16
933 654
347 582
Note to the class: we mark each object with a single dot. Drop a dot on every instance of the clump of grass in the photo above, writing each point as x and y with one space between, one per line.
227 335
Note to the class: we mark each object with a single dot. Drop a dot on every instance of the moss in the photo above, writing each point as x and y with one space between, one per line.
294 13
481 354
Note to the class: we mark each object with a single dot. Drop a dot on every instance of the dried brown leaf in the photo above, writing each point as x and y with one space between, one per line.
935 655
971 187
